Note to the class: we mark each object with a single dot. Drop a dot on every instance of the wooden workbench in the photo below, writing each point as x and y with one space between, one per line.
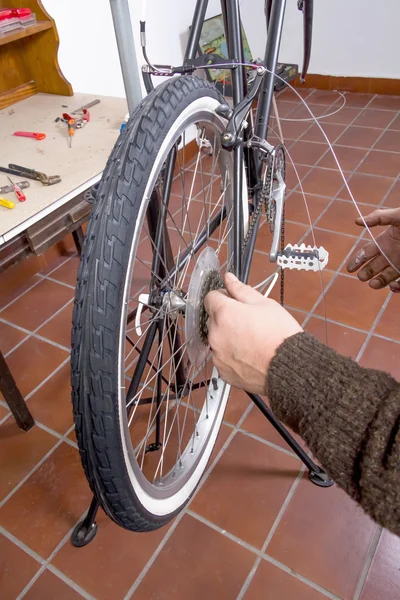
50 212
79 166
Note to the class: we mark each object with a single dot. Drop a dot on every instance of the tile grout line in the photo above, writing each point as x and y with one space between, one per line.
374 324
58 437
275 524
37 337
264 556
4 419
21 545
302 578
46 565
34 332
31 472
70 582
64 437
326 288
340 324
48 278
22 294
46 379
368 562
154 556
262 440
41 277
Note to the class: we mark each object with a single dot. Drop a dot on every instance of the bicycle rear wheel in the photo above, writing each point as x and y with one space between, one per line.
147 416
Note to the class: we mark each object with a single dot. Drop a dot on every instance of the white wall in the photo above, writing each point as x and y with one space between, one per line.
93 38
351 37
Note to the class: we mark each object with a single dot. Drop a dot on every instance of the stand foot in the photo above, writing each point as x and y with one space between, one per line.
86 529
83 535
320 478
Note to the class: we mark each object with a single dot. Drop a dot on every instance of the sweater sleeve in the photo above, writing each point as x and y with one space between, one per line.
348 415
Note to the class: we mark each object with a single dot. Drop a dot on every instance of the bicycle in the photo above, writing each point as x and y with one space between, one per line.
180 201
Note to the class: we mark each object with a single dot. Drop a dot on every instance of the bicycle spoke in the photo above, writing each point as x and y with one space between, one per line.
165 387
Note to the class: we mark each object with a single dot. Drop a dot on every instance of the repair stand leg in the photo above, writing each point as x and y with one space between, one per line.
315 473
85 531
78 237
13 397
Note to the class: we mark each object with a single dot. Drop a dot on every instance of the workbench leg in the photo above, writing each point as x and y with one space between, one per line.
13 397
78 236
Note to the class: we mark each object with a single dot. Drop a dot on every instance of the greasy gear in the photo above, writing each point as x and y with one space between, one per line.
274 165
212 281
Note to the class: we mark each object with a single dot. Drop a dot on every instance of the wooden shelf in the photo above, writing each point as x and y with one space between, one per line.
19 34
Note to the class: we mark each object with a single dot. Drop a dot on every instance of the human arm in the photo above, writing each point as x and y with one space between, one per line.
347 415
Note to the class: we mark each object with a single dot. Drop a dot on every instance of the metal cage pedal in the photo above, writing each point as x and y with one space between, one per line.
303 258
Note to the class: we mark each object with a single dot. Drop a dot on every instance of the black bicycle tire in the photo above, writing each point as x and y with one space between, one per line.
95 409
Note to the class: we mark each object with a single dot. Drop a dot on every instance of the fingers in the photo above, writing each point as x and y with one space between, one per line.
360 257
214 301
395 287
381 216
384 278
373 268
240 291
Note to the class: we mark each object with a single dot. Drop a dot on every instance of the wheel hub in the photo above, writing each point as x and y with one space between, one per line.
205 278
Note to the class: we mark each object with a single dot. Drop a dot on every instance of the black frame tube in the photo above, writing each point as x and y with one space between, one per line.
274 34
192 46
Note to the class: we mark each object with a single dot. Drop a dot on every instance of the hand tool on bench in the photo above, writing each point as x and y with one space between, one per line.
82 118
70 122
30 134
31 174
6 189
6 203
85 106
17 190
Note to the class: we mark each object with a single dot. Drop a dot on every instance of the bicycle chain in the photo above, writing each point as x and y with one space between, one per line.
214 281
282 273
258 208
265 200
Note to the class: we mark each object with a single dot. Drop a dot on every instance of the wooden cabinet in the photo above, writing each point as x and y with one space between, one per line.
28 58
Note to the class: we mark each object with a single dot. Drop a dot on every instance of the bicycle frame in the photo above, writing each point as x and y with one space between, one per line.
275 10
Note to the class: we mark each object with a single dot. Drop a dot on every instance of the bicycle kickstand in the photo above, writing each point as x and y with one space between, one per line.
86 529
315 474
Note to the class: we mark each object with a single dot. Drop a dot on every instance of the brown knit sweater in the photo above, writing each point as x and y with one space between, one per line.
349 416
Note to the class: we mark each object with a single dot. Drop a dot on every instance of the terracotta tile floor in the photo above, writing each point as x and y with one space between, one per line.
257 529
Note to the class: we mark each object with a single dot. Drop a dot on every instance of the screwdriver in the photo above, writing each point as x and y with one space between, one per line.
70 130
17 191
6 203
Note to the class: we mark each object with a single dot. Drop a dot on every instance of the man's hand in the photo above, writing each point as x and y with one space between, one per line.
244 332
377 270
